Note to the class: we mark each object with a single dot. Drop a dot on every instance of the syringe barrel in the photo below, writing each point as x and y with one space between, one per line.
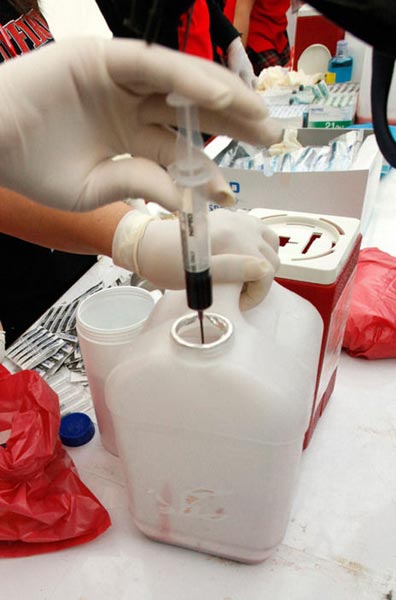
196 247
191 172
194 230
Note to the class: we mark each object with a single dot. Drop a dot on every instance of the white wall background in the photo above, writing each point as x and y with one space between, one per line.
74 18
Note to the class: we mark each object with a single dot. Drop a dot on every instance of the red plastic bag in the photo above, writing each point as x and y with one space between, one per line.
44 506
371 326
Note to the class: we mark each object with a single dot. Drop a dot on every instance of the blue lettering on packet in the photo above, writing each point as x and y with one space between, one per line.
235 186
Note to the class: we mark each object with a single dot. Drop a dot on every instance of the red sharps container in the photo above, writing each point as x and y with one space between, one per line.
318 254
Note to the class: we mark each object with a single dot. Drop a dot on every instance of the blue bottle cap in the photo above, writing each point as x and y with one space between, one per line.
76 429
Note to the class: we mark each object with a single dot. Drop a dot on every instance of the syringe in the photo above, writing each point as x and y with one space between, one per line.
192 173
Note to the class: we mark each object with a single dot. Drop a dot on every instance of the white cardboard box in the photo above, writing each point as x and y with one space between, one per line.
349 193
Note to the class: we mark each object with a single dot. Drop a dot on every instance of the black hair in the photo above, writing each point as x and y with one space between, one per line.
24 5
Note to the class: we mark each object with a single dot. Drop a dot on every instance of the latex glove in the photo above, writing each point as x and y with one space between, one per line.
244 251
288 144
238 62
70 107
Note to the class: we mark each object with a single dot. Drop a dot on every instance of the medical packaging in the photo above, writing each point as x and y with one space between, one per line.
347 192
337 155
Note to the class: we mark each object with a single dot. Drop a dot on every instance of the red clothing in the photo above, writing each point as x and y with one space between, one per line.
198 40
21 32
229 9
268 25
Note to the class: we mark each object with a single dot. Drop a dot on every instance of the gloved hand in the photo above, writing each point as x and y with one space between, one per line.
69 108
239 63
244 250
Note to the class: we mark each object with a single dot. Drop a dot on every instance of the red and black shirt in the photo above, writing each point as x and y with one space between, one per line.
21 32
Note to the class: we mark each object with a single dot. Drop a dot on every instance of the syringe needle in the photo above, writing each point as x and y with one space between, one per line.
200 317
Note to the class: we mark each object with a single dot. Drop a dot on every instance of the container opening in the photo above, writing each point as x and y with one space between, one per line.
186 331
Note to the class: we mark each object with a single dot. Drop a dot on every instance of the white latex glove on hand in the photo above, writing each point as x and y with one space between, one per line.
244 251
70 107
239 63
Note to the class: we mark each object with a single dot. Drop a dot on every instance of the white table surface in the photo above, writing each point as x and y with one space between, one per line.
340 542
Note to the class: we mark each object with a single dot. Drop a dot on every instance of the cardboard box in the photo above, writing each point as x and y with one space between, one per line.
349 193
333 111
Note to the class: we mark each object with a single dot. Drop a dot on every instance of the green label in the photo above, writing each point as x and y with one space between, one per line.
330 124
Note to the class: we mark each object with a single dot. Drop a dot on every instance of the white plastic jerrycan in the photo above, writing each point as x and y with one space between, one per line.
210 435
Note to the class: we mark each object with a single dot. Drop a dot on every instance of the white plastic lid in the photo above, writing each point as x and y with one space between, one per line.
313 248
113 314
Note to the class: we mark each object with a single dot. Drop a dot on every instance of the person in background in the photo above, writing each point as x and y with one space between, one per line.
22 28
33 276
263 24
197 27
228 48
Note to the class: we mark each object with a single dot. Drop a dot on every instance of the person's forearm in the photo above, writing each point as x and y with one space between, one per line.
243 8
80 233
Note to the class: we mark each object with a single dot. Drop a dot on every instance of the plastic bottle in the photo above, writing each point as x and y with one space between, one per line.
341 64
107 325
210 436
356 49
